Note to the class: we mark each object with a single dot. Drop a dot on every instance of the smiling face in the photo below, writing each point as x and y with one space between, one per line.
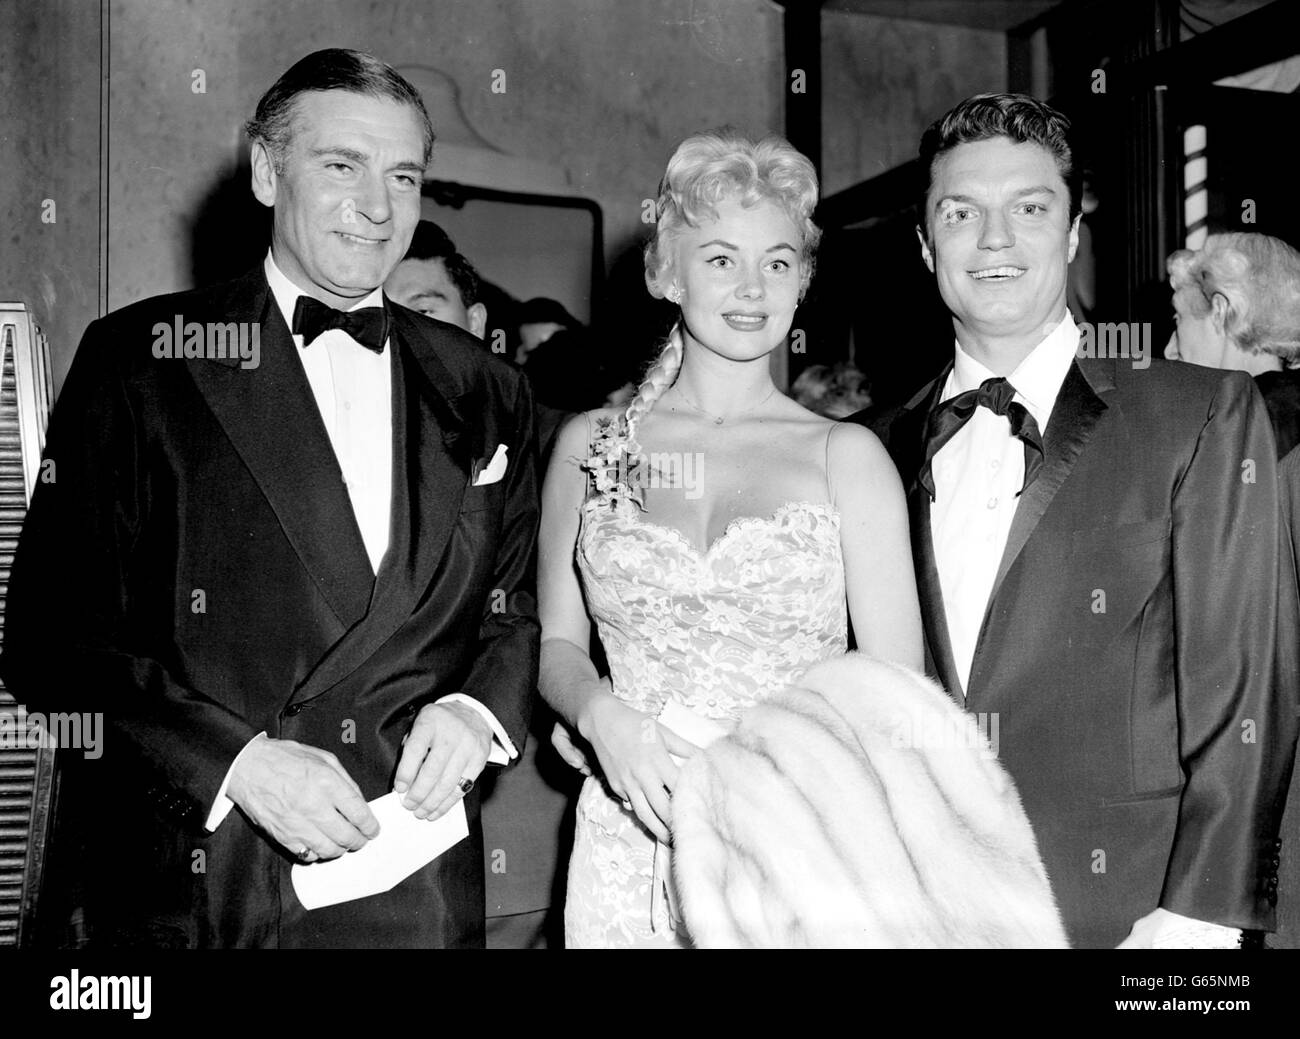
348 197
738 277
1000 241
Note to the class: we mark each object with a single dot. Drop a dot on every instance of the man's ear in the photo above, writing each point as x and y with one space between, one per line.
1074 239
477 314
926 253
265 179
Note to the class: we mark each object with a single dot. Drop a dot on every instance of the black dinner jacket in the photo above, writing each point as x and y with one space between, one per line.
194 572
1124 662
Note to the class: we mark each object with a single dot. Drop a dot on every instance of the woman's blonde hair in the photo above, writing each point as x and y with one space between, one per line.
708 168
1258 275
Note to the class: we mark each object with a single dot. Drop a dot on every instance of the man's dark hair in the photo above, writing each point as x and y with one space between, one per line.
333 69
543 311
1022 118
431 242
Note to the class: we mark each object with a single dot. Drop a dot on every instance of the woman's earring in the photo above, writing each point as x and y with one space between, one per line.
674 295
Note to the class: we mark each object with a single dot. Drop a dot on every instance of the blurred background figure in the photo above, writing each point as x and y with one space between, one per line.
539 320
1081 278
1237 306
557 355
832 390
438 282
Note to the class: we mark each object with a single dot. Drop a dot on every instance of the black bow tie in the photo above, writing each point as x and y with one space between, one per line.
952 414
368 326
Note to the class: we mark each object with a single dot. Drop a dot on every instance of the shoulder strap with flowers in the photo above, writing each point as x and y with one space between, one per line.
611 467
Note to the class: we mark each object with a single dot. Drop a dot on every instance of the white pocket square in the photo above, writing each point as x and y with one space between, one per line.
494 470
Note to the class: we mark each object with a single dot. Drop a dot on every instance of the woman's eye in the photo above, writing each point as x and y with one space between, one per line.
780 266
720 261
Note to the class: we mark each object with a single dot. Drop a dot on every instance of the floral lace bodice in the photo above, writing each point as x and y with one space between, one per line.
717 631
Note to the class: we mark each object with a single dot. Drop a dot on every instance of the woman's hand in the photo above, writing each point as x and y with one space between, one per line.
570 753
633 750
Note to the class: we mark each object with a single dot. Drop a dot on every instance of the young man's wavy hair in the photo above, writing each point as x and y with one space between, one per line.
1022 118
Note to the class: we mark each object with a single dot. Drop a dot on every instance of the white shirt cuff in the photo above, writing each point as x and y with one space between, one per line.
222 805
1184 932
503 748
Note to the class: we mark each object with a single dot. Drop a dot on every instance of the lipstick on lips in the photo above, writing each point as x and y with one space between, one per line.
745 322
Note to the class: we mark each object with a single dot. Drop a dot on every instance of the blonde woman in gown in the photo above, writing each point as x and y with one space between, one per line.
720 536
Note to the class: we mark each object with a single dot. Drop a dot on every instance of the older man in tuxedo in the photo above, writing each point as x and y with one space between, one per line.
295 578
1096 552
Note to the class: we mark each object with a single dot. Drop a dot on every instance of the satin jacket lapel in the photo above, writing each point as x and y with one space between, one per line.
1078 408
431 454
272 419
908 434
1075 414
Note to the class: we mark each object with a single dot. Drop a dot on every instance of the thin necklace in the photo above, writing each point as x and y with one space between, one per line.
719 419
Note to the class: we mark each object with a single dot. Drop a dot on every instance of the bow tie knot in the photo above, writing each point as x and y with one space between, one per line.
368 326
998 395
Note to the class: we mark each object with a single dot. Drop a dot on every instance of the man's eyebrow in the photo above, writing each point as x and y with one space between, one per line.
361 158
1037 189
341 151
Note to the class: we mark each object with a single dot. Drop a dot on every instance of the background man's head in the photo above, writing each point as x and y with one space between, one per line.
539 319
439 282
999 214
340 144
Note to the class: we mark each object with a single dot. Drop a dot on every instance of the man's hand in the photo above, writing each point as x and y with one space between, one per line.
302 797
448 742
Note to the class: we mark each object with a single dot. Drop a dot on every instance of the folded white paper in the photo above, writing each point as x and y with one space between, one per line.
404 845
692 727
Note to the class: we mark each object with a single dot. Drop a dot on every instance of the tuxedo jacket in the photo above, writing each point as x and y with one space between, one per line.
194 571
1124 664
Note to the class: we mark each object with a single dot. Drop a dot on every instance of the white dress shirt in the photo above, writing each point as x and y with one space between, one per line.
353 389
977 475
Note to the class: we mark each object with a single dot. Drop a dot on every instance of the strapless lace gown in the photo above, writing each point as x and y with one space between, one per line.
717 632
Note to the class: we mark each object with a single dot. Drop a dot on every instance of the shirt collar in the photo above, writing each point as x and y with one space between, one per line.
1037 378
286 293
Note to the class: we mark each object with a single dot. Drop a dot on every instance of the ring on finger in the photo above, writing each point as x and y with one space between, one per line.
465 785
304 854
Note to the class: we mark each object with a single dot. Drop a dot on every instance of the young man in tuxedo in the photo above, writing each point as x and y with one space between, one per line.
291 585
1096 553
